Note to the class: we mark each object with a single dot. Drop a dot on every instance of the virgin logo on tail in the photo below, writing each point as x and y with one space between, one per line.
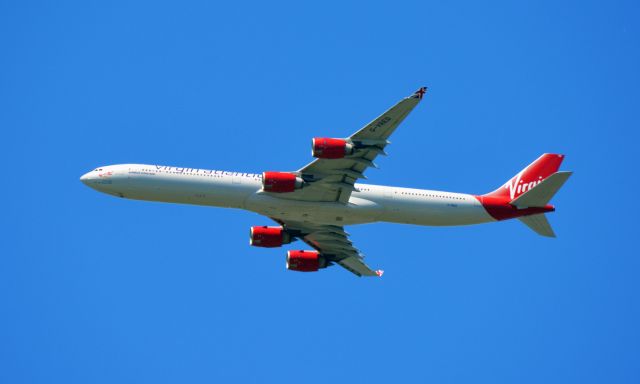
529 177
517 186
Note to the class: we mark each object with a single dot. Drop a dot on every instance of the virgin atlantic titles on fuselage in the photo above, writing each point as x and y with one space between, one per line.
315 202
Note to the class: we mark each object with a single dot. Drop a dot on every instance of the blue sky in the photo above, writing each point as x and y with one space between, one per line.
95 289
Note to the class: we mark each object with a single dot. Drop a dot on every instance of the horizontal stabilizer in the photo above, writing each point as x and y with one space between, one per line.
539 224
540 195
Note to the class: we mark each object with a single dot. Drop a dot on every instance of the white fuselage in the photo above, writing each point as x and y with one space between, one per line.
369 203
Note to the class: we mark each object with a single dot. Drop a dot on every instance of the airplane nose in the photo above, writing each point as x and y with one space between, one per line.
85 178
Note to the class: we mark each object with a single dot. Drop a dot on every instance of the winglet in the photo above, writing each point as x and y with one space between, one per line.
379 272
419 93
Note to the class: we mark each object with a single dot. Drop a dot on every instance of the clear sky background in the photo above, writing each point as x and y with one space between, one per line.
95 289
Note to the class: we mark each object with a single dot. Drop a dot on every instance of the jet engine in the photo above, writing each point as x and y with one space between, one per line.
305 261
281 182
268 237
326 148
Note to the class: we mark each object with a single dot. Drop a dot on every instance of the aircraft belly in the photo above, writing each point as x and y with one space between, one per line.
194 191
436 212
334 213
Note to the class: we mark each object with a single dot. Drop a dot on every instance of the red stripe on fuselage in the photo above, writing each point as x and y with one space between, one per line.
500 209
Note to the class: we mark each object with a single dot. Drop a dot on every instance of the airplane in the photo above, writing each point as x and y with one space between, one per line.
316 202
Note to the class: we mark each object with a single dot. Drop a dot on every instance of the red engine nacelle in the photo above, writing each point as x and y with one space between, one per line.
280 182
305 261
326 148
268 237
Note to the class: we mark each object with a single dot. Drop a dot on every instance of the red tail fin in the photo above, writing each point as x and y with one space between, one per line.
529 177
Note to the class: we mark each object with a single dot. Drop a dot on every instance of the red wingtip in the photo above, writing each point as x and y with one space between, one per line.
420 93
379 272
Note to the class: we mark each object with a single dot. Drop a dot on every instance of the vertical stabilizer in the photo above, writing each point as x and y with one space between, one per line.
532 175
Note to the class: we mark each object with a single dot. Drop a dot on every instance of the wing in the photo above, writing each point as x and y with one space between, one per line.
334 179
333 243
